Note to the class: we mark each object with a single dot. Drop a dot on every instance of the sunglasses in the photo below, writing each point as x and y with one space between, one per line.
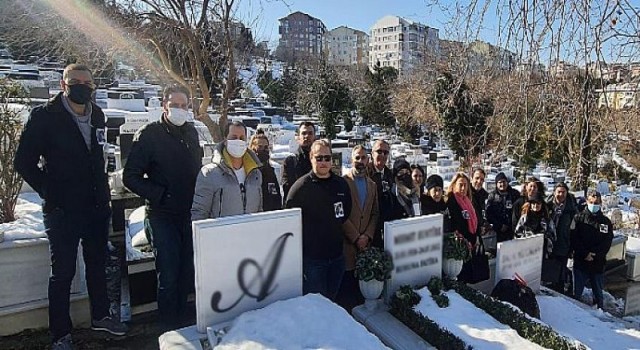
382 151
325 158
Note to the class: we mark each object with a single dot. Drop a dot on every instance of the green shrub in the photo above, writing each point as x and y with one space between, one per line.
373 263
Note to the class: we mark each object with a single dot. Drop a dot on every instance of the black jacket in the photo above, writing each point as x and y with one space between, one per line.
479 201
562 220
271 197
593 233
171 158
458 222
500 212
72 178
326 205
295 166
429 206
384 182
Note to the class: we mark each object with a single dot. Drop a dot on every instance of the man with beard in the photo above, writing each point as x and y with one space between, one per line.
325 200
500 208
479 198
162 168
295 166
360 227
271 197
406 199
378 171
562 209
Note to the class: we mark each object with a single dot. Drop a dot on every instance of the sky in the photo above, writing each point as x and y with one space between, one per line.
262 15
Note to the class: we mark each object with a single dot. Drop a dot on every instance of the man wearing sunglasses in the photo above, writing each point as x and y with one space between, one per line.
380 173
295 166
325 200
61 156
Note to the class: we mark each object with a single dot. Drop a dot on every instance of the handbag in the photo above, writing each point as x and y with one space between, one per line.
477 269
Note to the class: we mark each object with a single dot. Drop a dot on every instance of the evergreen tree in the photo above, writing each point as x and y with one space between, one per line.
375 102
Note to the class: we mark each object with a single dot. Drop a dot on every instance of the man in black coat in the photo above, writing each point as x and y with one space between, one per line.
500 208
295 166
591 241
162 168
479 198
61 156
271 197
379 172
325 199
562 209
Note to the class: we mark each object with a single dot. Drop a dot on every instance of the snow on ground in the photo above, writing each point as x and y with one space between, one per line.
308 322
594 328
472 325
28 222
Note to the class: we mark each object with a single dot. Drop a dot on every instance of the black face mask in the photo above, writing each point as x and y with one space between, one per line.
263 156
79 93
406 180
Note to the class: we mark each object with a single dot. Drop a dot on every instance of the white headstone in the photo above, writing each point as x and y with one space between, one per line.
632 300
522 256
131 127
246 262
416 247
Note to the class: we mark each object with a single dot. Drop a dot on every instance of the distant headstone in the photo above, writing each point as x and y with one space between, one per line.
632 300
336 163
415 245
245 262
522 256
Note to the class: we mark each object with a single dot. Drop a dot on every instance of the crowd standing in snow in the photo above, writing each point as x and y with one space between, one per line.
341 215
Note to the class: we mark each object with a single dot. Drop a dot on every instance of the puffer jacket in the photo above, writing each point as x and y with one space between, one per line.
218 192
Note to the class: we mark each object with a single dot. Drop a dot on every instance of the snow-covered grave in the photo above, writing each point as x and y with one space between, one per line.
25 266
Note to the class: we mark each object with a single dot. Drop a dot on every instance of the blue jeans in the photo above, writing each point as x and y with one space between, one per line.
173 249
64 231
580 278
323 276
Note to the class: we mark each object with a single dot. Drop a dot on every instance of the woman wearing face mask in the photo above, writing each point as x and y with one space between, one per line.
433 201
271 197
406 199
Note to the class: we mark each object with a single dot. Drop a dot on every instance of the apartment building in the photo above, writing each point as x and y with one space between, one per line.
346 46
301 37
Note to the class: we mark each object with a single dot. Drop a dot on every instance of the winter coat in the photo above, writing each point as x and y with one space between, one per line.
398 209
500 212
295 166
517 210
479 201
563 220
384 182
170 157
361 221
458 222
271 196
531 224
429 206
72 177
326 205
218 192
593 233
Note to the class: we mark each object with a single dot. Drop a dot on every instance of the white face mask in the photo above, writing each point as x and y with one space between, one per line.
177 116
236 148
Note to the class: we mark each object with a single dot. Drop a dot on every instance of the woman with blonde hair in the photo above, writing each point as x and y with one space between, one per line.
463 216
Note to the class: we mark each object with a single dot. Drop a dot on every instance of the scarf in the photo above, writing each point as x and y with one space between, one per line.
465 204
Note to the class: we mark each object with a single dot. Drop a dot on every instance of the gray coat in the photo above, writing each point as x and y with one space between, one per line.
218 192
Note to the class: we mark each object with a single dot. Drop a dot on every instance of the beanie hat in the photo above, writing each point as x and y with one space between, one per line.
536 197
399 165
501 176
434 181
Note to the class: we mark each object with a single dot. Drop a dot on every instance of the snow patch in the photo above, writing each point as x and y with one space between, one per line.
28 223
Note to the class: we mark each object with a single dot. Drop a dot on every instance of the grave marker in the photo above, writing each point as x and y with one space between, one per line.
522 256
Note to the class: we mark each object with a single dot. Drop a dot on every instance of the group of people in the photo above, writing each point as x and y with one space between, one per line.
60 155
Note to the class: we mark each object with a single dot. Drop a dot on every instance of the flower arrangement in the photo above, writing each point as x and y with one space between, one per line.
373 263
456 247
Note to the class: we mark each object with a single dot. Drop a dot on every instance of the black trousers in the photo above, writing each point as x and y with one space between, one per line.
65 230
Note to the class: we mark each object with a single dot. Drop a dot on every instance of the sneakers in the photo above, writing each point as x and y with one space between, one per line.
111 325
63 343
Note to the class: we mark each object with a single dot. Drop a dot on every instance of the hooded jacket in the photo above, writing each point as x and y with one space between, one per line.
72 177
170 157
218 192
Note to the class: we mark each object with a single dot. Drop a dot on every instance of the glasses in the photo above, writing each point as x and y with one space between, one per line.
325 158
360 157
382 151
